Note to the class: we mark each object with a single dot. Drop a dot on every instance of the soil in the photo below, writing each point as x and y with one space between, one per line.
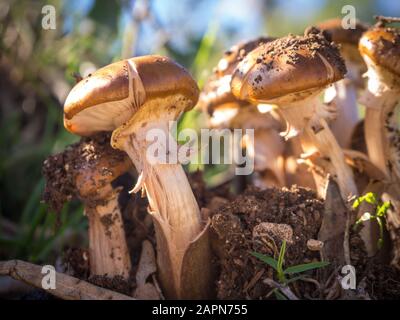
116 283
255 221
235 227
209 198
382 281
76 261
313 42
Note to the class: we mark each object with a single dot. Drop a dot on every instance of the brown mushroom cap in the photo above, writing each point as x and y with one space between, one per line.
216 91
338 34
348 40
236 53
112 95
382 46
83 170
289 65
98 166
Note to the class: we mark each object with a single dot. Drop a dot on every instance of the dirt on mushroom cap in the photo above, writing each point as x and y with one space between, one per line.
288 65
60 170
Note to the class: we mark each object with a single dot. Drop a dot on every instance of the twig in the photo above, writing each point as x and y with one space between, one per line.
285 289
67 287
382 20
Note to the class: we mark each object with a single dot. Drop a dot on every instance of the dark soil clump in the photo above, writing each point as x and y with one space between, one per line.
259 221
116 283
209 198
382 282
76 262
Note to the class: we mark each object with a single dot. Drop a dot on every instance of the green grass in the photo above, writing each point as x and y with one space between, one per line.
286 275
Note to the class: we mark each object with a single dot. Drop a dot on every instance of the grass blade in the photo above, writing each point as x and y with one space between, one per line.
306 267
266 259
279 295
281 257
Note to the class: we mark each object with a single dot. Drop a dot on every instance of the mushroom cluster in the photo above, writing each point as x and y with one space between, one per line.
300 95
380 48
291 72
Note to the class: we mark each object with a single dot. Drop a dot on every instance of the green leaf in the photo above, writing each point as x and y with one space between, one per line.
383 209
279 295
370 198
281 257
306 267
266 259
356 203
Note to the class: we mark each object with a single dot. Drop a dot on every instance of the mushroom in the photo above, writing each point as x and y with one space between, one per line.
130 98
380 48
86 170
216 98
226 111
343 93
291 72
266 149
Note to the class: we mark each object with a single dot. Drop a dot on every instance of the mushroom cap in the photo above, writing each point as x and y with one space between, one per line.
382 46
333 27
217 91
98 165
289 65
348 40
109 97
236 53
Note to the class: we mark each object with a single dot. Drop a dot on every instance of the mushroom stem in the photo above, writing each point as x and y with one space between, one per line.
308 118
108 251
171 200
381 133
345 100
267 153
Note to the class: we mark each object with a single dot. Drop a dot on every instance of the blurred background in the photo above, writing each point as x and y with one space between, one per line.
37 68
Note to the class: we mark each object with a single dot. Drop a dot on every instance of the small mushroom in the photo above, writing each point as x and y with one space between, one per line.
226 111
267 148
343 93
380 48
291 72
130 98
89 167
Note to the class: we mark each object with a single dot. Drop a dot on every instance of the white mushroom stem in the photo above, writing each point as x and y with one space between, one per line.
171 200
381 131
343 95
108 251
308 117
